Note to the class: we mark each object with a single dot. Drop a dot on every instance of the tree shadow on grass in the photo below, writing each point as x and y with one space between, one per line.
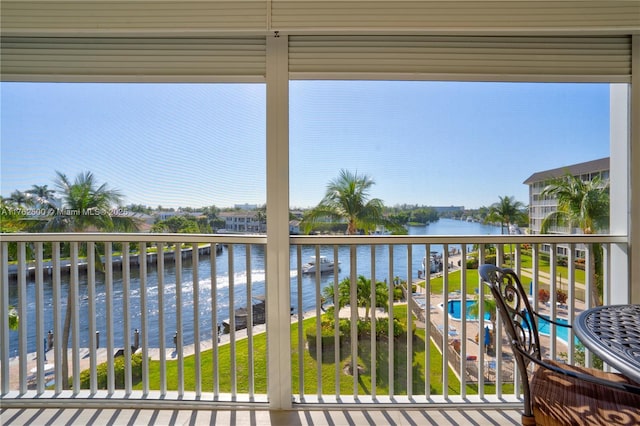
399 365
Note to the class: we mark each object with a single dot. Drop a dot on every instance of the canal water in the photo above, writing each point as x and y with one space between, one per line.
222 279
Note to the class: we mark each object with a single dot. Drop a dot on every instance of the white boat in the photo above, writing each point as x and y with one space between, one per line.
435 262
325 265
514 229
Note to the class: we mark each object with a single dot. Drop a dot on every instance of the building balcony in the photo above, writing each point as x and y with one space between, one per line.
134 340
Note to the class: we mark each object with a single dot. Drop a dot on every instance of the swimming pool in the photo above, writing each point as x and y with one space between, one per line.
455 311
543 325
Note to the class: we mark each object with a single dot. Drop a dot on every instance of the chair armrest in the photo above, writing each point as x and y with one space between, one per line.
626 387
551 321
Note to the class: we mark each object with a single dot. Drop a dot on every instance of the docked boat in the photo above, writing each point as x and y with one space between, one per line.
435 262
241 315
312 266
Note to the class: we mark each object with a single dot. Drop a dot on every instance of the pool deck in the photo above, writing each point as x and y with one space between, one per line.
436 315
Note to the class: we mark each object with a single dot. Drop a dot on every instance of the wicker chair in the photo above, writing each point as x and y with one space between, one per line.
556 393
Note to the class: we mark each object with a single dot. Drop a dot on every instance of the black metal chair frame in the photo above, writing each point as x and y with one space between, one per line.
520 325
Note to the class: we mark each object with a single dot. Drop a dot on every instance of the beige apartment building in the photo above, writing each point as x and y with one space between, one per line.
540 207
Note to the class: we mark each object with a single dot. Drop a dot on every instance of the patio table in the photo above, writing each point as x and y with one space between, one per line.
613 333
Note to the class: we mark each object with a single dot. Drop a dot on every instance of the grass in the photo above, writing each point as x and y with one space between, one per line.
473 279
327 369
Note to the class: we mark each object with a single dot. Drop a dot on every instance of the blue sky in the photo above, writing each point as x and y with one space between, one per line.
429 143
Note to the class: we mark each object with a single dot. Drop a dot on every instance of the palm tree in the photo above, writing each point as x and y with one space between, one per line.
363 294
507 211
347 198
85 206
261 217
582 204
19 198
41 194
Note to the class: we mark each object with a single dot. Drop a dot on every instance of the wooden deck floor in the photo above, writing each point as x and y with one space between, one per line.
128 417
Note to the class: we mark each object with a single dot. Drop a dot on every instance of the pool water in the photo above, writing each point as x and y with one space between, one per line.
543 326
561 332
454 310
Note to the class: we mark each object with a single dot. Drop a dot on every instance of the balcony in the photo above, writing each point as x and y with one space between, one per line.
193 351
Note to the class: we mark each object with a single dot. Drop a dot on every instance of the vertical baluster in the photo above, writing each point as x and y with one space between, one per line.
214 323
126 293
409 380
445 326
179 329
336 322
301 343
516 373
535 274
588 299
250 319
374 340
57 314
4 319
353 305
606 273
391 348
108 285
553 272
22 315
497 336
606 288
195 257
91 293
571 304
75 316
481 349
427 331
464 323
232 322
144 320
40 339
318 324
161 325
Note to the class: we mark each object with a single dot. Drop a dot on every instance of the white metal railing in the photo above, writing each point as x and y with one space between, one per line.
170 308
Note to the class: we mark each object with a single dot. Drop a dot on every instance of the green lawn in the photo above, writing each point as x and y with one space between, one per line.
473 279
327 368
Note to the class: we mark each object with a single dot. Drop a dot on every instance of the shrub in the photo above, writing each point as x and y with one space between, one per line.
118 370
398 293
382 327
472 263
490 259
561 297
326 330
